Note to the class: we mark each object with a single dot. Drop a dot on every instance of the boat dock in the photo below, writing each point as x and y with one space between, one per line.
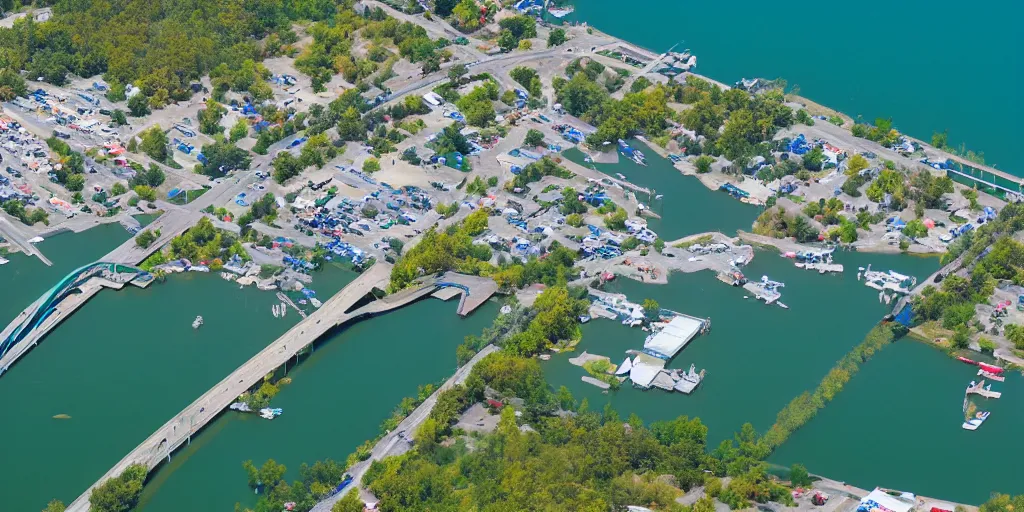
822 268
284 298
590 380
762 293
979 389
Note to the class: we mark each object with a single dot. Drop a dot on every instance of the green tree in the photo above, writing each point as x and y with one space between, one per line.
457 71
145 238
940 140
239 131
209 117
556 37
117 117
138 105
915 229
117 189
286 166
507 41
533 138
1015 334
652 310
75 182
55 506
444 8
120 493
961 337
703 164
145 192
798 476
154 143
814 159
371 165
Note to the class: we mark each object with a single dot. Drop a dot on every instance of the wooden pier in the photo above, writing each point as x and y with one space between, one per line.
822 268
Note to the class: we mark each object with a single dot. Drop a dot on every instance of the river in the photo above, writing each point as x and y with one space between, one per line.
930 65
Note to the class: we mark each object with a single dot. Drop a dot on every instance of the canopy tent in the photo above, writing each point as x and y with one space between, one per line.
674 336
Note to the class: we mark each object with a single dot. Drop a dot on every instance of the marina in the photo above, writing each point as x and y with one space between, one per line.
889 281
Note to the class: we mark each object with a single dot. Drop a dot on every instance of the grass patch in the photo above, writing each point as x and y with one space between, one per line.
703 239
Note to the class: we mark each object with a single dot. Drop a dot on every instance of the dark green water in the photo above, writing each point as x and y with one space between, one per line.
757 357
930 65
120 366
897 424
687 207
337 399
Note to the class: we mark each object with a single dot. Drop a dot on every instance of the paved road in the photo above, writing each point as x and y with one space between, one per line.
15 236
387 445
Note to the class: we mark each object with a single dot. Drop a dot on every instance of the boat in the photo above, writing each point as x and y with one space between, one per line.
991 369
781 305
688 381
268 414
639 157
988 375
284 309
315 302
620 175
227 276
4 261
584 319
276 310
968 361
197 322
976 421
35 240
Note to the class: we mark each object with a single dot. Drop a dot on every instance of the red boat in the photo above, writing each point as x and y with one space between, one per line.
991 369
968 361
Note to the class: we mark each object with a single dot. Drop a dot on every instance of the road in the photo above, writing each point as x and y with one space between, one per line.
387 445
16 237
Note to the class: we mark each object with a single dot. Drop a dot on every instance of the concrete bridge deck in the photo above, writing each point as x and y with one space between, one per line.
196 415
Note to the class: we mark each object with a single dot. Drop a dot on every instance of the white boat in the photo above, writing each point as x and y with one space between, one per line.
315 302
976 421
35 240
275 310
4 261
688 381
781 305
284 309
268 414
197 322
620 175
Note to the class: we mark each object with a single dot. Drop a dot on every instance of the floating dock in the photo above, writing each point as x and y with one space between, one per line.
822 268
979 389
590 380
990 375
284 298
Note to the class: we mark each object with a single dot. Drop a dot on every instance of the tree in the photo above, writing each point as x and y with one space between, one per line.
120 493
117 117
12 84
579 95
223 157
961 337
533 138
286 166
940 140
855 164
444 8
457 71
138 105
117 189
371 165
209 117
1015 334
652 310
145 192
814 159
145 238
75 182
239 130
798 476
556 37
55 506
154 143
507 41
915 229
703 164
351 125
616 220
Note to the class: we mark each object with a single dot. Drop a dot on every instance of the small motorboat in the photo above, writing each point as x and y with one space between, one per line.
991 369
315 302
968 361
976 421
197 322
4 261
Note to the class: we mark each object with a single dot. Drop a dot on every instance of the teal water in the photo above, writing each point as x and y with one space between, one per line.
687 206
897 425
931 65
757 357
119 367
336 400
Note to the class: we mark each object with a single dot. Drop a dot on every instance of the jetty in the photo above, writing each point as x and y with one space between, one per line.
337 311
590 380
284 298
979 389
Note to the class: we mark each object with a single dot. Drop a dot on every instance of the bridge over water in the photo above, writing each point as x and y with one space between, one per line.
112 271
343 307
